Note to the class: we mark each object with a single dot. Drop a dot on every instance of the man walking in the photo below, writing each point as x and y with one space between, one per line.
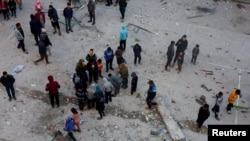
8 82
218 102
232 98
137 53
91 9
202 116
53 87
170 55
52 13
20 37
109 56
122 7
68 14
35 27
181 47
123 37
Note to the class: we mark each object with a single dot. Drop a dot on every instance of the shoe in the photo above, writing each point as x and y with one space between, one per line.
71 30
229 112
107 5
54 32
14 98
48 63
26 52
104 114
60 33
198 129
36 44
93 23
99 118
111 68
89 21
35 62
217 118
10 99
67 32
147 108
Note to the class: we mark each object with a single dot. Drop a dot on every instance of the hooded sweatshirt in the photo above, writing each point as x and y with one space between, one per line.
123 33
233 96
98 92
52 86
107 86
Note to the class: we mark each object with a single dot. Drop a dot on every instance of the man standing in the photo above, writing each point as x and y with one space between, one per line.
52 13
202 116
35 27
20 37
170 55
137 53
40 16
123 37
181 47
116 81
151 94
107 88
53 87
122 7
180 61
232 98
109 56
91 9
218 102
8 81
68 14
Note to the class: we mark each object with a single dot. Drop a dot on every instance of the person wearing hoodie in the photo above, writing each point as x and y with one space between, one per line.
122 7
35 28
116 81
137 53
203 115
218 102
38 5
181 46
133 82
68 14
99 98
90 96
4 9
107 88
123 37
151 94
8 81
69 126
53 87
123 70
109 56
20 37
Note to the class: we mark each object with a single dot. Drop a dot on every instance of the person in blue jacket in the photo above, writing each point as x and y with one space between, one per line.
109 56
68 14
69 126
151 94
123 37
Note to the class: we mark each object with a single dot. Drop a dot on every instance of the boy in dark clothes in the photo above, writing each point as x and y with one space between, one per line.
195 53
133 82
180 61
170 55
202 116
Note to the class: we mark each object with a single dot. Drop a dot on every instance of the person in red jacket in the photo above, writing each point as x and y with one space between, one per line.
40 16
53 87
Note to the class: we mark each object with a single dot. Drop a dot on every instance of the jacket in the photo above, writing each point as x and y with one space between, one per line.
68 12
91 57
92 68
118 52
137 49
81 95
40 16
108 54
170 52
18 34
202 115
123 33
107 86
152 90
195 51
45 39
91 6
42 47
99 66
8 81
98 92
52 14
12 4
123 69
35 26
122 3
115 80
134 80
233 96
219 100
69 126
52 86
181 45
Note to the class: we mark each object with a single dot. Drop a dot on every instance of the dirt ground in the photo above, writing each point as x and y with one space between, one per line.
220 28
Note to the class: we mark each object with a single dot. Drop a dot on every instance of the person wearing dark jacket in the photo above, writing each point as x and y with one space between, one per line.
133 82
170 55
195 53
68 14
180 61
151 94
91 56
81 72
4 8
122 7
12 6
44 37
35 27
202 116
137 53
93 71
118 54
53 16
109 56
181 45
91 9
8 81
81 97
42 51
53 87
40 16
99 97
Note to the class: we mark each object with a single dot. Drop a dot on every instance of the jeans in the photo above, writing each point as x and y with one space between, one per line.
68 24
11 92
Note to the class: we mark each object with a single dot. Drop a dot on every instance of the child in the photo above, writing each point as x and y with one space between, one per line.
69 126
195 53
99 67
81 97
218 102
133 82
180 60
76 119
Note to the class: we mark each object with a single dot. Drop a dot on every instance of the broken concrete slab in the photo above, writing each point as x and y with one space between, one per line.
173 128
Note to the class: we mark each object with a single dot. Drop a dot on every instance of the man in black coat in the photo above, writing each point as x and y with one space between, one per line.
68 14
181 47
137 53
8 81
35 27
170 55
202 116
